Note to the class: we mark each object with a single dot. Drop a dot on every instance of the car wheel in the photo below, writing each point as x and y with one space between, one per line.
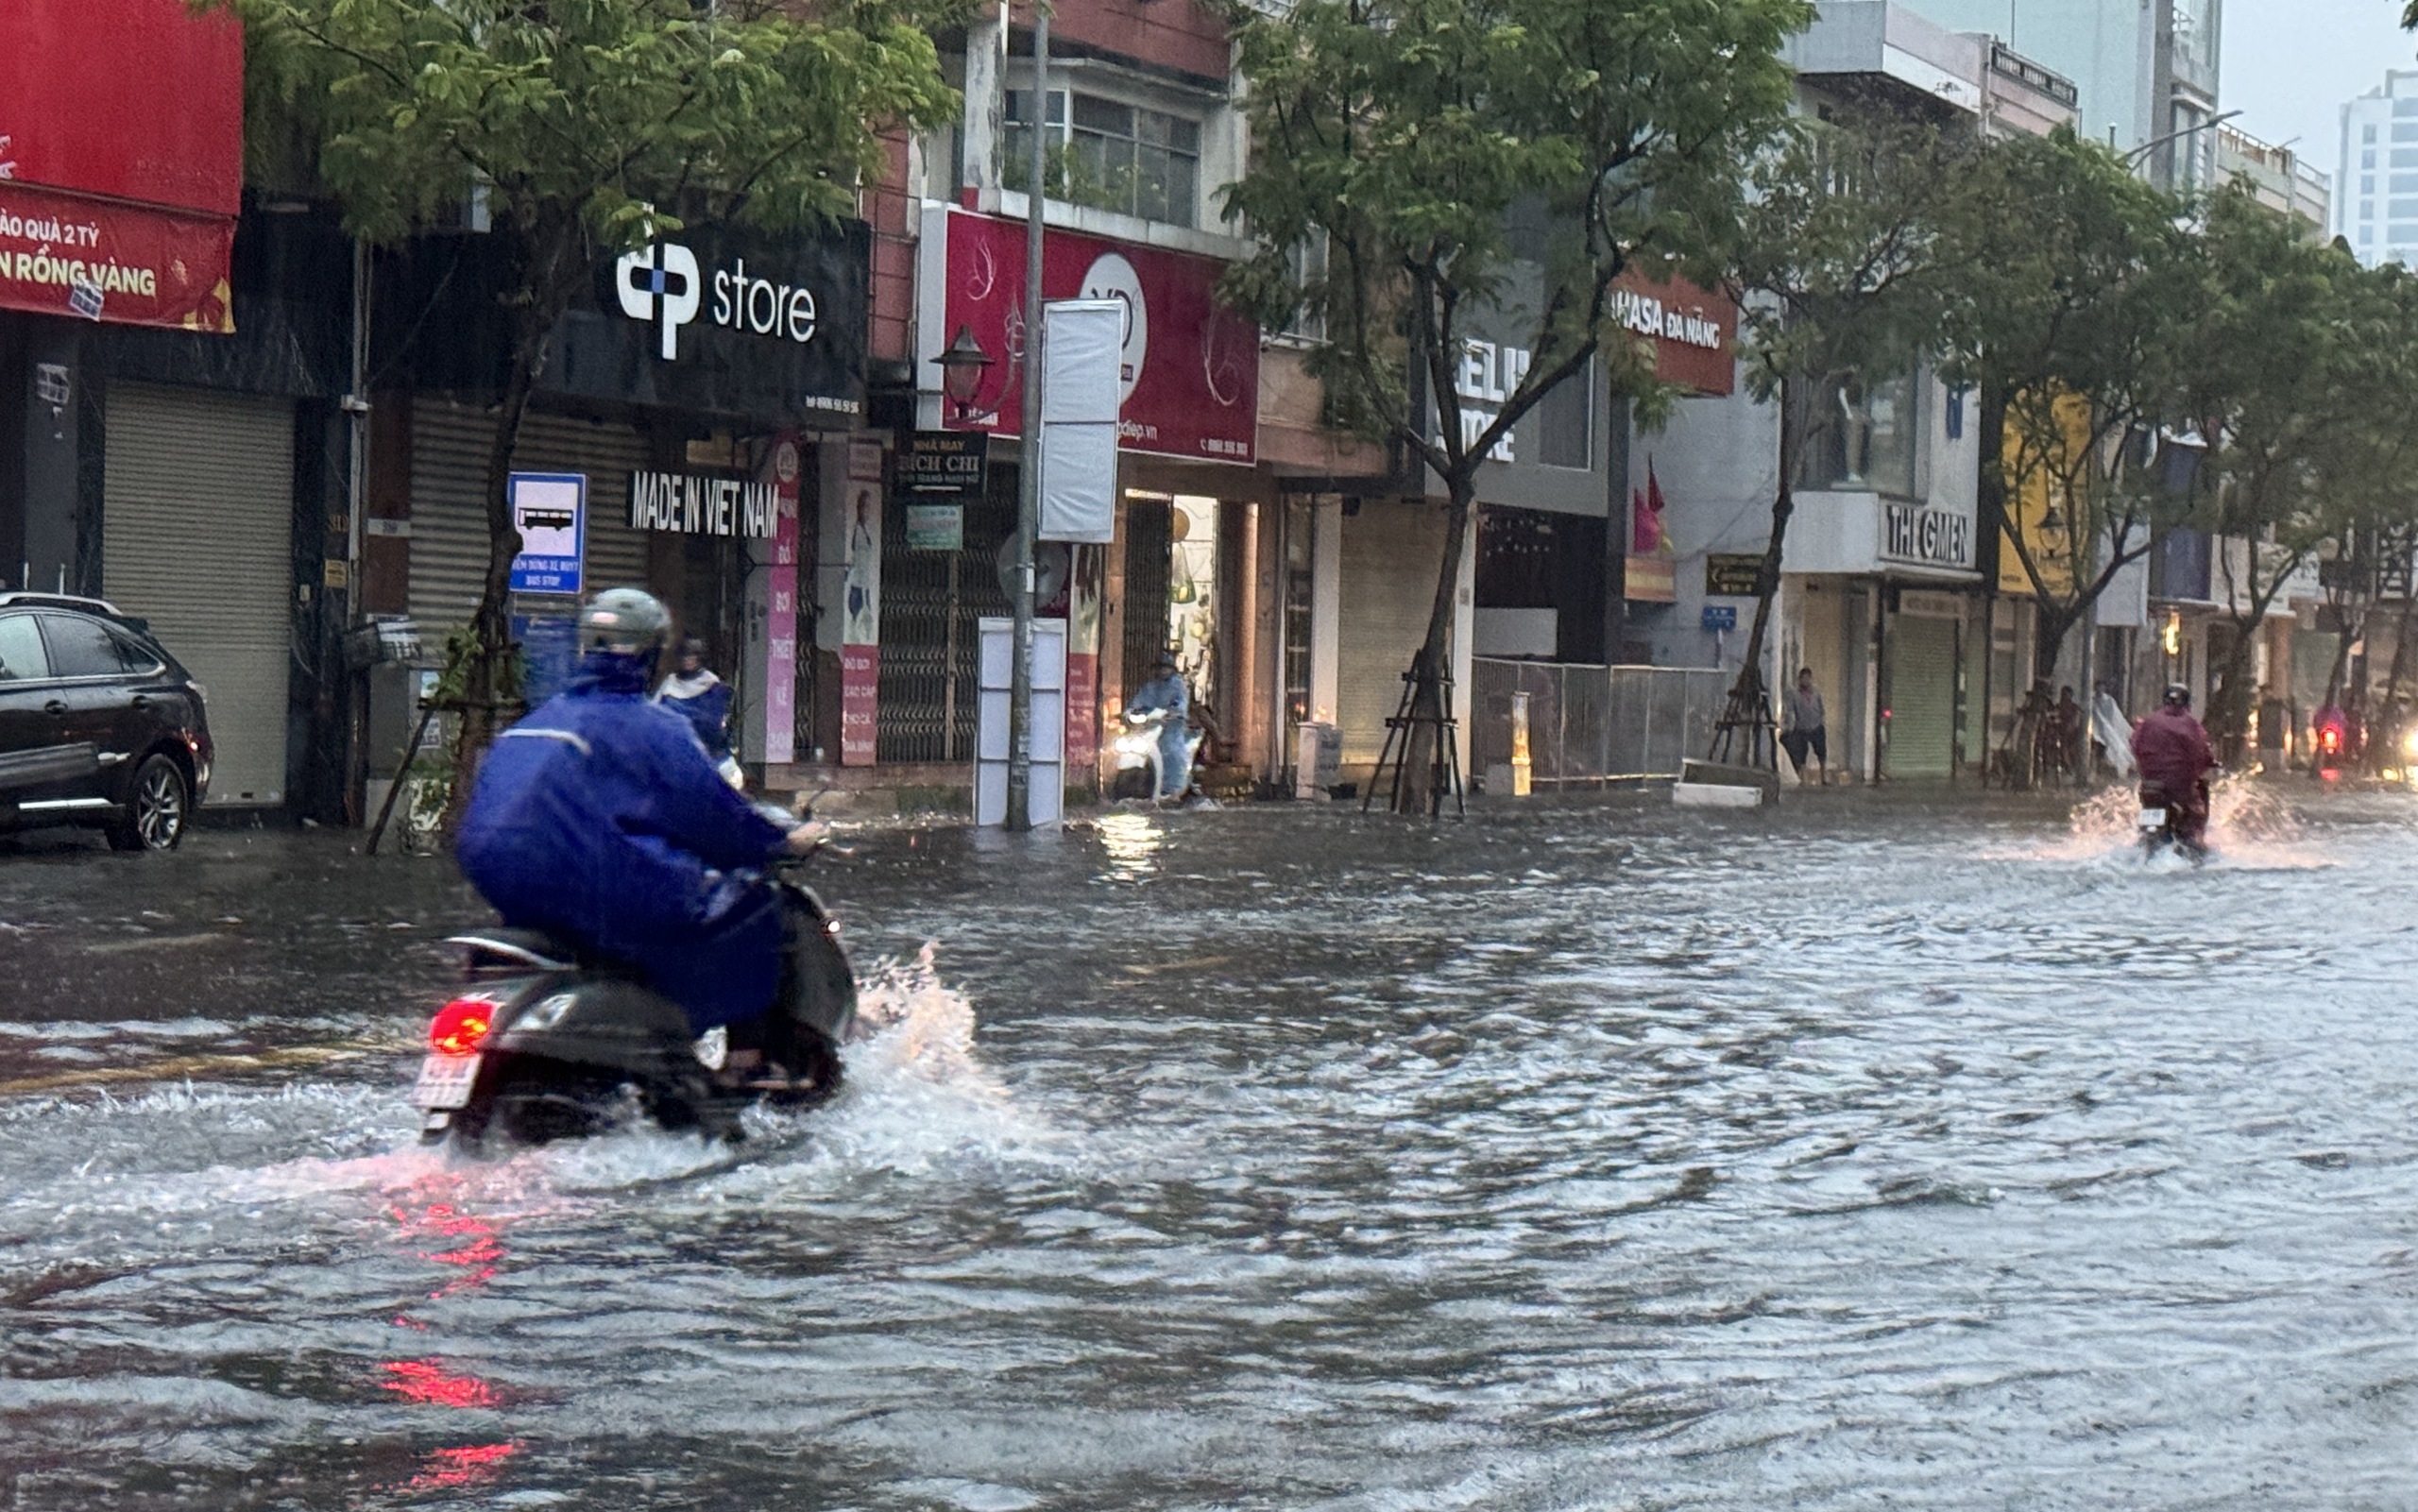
156 813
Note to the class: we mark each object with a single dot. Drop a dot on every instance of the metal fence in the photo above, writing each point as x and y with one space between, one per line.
1594 724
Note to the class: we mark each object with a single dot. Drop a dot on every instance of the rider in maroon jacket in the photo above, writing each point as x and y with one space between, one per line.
2173 753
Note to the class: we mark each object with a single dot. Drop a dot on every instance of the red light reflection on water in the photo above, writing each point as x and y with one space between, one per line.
470 1465
428 1383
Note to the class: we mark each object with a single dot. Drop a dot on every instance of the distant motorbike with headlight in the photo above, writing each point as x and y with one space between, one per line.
541 1043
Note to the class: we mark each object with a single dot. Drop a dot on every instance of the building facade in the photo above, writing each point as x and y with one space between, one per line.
2376 202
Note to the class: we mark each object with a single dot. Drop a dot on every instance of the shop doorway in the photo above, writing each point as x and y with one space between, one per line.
1149 538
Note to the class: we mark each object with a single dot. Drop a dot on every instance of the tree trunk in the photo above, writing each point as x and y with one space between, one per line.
1423 785
2229 699
1749 705
2393 721
489 686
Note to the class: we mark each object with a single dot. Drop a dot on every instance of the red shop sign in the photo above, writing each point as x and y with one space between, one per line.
121 160
1191 366
1695 333
61 255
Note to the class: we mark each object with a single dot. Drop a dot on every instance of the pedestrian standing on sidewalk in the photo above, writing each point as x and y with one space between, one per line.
1805 729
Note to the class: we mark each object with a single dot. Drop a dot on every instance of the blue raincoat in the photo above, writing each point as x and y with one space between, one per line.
1169 693
600 817
704 701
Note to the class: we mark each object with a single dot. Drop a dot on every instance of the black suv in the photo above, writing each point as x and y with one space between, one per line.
98 726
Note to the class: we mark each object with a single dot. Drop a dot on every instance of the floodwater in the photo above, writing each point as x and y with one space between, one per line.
1884 1153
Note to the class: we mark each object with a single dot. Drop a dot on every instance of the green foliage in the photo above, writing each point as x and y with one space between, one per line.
1852 247
614 116
2076 320
1517 155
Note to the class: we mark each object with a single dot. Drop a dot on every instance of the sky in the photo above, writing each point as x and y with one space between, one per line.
2290 64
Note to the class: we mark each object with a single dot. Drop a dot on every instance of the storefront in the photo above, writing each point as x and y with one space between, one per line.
169 363
1183 572
1880 588
702 394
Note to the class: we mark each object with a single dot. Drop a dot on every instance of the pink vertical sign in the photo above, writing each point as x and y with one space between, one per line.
780 618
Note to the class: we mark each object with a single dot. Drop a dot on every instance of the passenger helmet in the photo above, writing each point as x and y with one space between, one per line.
2177 696
628 621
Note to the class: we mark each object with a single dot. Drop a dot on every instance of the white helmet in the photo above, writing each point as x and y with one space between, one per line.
628 621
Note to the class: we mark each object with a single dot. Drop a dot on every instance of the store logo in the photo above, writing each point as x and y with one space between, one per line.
664 286
660 285
1110 277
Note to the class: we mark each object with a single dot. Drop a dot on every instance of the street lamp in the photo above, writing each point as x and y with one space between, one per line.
962 369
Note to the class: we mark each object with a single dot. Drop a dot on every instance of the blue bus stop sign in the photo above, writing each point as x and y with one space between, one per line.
550 509
1721 616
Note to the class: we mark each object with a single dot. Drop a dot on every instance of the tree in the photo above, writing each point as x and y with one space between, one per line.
1439 149
1851 249
2293 374
2072 324
589 128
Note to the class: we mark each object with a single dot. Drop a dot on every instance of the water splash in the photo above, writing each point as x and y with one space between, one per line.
2249 824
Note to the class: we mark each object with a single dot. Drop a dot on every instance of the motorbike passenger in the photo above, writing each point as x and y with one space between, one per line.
1165 698
599 818
2175 757
695 693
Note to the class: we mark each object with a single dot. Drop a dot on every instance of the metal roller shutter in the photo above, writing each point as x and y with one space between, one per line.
196 537
1922 696
449 538
1390 552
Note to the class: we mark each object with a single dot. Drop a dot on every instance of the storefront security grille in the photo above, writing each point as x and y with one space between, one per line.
196 537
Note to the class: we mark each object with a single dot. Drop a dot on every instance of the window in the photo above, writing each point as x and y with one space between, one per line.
2402 183
2367 210
2368 182
1566 417
2408 107
20 653
2367 133
1114 156
1307 260
1861 437
85 648
2404 132
2368 160
2367 234
2403 234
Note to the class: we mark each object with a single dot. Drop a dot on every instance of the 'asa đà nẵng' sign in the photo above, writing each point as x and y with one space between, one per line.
687 504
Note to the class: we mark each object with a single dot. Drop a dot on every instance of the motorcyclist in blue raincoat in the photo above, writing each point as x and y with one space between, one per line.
600 817
695 693
1166 696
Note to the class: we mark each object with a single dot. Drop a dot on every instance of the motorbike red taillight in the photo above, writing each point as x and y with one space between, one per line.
2330 741
461 1026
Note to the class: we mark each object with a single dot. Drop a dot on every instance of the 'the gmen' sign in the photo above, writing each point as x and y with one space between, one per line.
688 505
1927 535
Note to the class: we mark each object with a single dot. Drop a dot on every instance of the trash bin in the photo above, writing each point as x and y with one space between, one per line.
1316 753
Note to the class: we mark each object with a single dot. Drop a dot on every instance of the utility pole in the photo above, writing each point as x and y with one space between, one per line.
1029 467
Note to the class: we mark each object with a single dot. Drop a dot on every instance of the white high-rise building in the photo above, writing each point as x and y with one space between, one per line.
2376 190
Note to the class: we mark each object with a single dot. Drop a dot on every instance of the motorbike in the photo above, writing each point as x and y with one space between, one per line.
543 1043
2164 823
1138 759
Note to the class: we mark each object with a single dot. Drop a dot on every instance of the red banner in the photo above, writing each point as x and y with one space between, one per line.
1191 366
121 160
64 256
1083 719
859 705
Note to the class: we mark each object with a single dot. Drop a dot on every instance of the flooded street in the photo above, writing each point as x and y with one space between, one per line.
1585 1156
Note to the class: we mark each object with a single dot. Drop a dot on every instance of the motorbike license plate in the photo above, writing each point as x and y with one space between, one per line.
445 1081
2152 819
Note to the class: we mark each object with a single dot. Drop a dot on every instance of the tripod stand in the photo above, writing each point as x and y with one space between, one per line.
1443 765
